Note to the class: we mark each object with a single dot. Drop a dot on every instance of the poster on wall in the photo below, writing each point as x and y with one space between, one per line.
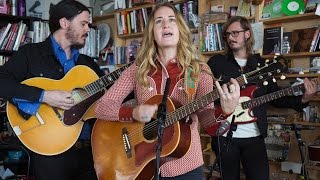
39 8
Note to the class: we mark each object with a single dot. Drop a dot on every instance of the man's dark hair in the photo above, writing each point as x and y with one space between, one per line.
64 9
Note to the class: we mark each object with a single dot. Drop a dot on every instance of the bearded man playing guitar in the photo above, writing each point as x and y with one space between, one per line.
248 139
53 58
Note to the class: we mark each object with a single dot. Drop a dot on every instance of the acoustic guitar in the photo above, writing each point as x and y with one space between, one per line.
128 150
52 130
243 111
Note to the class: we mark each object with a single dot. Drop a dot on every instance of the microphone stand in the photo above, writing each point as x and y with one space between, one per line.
224 147
161 116
301 144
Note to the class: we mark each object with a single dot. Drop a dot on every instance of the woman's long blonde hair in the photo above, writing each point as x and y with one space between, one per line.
186 50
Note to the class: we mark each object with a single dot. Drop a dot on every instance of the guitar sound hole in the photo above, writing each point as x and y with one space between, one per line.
150 130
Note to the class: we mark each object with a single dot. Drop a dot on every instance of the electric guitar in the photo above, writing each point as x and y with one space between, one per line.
52 130
128 150
243 113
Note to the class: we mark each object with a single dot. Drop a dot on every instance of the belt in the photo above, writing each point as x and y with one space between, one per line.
81 144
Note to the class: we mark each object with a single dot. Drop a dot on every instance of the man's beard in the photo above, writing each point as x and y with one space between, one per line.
71 35
236 49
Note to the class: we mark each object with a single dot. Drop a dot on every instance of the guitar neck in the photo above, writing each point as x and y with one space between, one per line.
105 80
197 104
272 96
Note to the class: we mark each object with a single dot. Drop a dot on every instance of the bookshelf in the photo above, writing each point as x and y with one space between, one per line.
298 59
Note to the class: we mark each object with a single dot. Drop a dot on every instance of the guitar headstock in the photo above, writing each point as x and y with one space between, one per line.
278 66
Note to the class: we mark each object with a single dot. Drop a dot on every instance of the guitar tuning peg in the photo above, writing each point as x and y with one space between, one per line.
282 77
265 83
267 60
274 80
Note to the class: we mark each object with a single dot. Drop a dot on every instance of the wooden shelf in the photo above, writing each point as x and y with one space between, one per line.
8 17
294 55
313 167
102 17
294 18
132 35
210 53
134 8
309 75
299 123
194 30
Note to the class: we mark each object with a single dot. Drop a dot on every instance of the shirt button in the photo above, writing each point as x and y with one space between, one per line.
41 74
60 70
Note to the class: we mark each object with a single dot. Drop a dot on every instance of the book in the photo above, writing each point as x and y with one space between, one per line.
302 39
272 40
314 41
5 34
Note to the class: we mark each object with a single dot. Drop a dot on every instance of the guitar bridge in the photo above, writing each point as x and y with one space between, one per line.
126 142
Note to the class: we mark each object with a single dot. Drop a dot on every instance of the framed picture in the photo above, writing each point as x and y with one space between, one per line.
39 8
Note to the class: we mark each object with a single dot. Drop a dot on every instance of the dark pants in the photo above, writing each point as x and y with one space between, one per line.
251 152
70 165
196 174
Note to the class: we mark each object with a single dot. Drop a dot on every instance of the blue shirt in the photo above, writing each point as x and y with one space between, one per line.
67 64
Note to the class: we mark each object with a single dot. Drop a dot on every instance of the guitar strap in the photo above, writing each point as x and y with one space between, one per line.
190 85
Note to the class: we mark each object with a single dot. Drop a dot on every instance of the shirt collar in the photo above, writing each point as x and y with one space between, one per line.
58 49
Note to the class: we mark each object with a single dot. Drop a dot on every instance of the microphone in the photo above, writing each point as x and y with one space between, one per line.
223 128
296 127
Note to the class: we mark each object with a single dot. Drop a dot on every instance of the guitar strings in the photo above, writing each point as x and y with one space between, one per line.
151 126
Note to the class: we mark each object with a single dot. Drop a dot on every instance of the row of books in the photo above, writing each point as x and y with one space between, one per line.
132 21
124 54
123 4
299 40
12 36
315 43
92 45
40 31
13 7
211 37
189 10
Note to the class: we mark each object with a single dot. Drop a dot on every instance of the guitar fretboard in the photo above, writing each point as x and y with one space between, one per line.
201 102
272 96
105 80
197 104
275 95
